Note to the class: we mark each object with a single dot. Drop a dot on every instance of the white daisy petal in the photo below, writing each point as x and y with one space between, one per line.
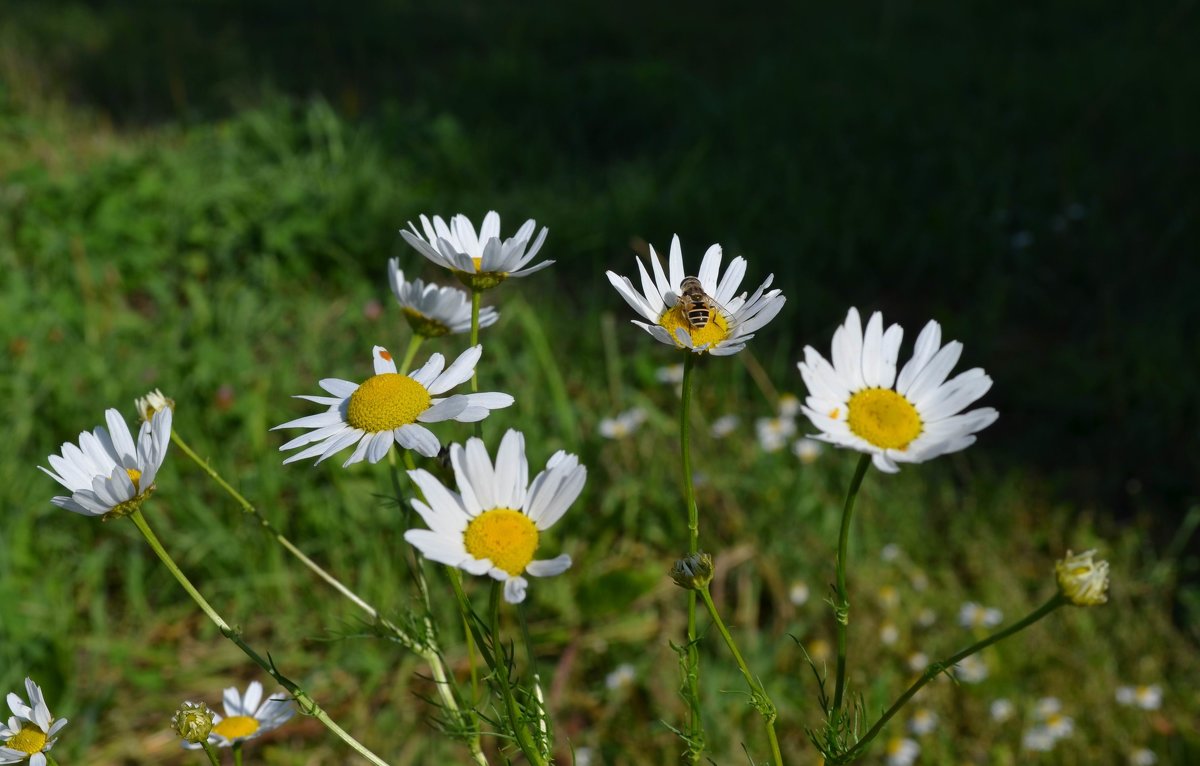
549 567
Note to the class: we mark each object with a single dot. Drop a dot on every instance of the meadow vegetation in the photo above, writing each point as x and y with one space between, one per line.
231 249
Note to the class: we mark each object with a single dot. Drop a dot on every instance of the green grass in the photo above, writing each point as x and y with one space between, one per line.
235 261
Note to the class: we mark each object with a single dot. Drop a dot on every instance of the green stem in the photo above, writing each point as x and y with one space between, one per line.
306 703
211 752
432 653
414 343
543 714
842 607
476 297
758 693
432 656
689 493
936 668
500 667
237 753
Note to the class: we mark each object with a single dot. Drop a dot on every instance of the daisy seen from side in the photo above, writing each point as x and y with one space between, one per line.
30 731
493 524
480 260
858 401
107 473
390 407
434 311
732 319
247 716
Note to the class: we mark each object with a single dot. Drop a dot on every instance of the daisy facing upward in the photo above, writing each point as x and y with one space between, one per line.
389 408
860 402
493 524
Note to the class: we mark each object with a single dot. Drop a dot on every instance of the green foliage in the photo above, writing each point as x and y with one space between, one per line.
234 260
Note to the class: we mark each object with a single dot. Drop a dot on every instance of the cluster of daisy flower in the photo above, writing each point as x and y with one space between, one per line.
1048 727
491 521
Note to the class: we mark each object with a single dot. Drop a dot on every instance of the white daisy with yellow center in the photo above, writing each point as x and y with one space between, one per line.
433 311
623 425
388 408
493 524
480 260
731 321
30 731
107 473
246 719
859 402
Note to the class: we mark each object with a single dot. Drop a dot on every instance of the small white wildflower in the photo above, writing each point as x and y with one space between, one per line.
773 433
923 721
918 661
623 425
889 634
621 677
1001 710
1145 697
672 373
798 594
1142 757
926 617
1038 739
972 616
724 425
808 450
971 670
890 552
789 405
902 751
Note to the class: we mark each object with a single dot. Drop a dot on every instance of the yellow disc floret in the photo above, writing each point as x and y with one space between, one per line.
715 330
387 401
236 726
135 476
507 537
883 417
30 739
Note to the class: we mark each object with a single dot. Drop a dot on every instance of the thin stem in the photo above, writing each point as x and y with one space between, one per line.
543 714
500 667
414 343
211 752
842 607
476 297
433 657
936 668
758 693
689 493
237 753
306 703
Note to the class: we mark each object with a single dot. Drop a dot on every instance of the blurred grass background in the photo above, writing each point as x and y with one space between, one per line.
203 196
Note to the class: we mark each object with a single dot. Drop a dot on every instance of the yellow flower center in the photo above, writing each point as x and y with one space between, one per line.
236 726
715 330
135 476
387 401
883 417
426 327
30 739
505 536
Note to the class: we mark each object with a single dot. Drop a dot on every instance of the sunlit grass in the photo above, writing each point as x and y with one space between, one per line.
232 333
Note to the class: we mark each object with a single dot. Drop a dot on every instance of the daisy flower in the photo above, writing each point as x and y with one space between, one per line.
622 676
972 616
859 402
1145 697
1001 710
808 450
434 311
789 405
923 721
773 433
723 426
493 524
480 260
30 731
731 322
107 474
971 670
622 425
389 407
245 719
1142 757
901 751
798 594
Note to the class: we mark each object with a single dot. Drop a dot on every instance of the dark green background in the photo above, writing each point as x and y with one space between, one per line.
919 158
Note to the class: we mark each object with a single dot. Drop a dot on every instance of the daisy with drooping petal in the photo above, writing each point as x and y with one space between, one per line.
30 731
107 473
480 260
731 322
245 719
493 524
389 407
434 311
859 402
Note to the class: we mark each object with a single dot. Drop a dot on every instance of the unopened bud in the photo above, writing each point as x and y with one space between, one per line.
693 572
1081 580
193 721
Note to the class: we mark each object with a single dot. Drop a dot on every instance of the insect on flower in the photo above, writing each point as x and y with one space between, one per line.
698 306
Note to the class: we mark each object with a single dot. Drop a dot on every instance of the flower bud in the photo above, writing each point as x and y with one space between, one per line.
693 572
1081 580
193 721
151 403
